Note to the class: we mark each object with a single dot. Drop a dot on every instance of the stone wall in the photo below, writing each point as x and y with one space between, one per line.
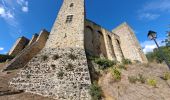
19 45
29 52
129 44
102 43
60 70
33 39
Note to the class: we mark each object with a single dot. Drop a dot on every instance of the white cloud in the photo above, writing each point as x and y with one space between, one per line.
5 14
1 48
153 9
149 46
23 4
149 16
25 9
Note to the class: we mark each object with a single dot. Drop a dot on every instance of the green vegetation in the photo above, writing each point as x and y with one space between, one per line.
166 76
126 61
3 58
116 74
95 91
104 63
156 55
152 82
140 78
132 79
121 66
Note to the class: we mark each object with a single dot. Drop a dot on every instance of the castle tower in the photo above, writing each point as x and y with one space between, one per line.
129 44
60 70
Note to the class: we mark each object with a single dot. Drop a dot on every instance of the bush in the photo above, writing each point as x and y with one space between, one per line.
141 78
156 55
122 66
132 79
116 74
95 92
152 82
104 63
3 58
126 61
166 76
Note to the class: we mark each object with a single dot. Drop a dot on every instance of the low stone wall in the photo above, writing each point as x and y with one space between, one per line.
60 73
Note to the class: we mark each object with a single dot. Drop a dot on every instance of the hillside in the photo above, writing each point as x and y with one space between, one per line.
133 85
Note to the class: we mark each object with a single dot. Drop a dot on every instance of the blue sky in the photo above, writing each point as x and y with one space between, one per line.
26 17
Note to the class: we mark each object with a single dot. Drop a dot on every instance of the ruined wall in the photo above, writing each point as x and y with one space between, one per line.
19 45
29 52
33 39
129 44
101 42
60 70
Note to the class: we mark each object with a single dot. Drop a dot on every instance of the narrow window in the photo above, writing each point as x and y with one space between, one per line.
69 19
72 4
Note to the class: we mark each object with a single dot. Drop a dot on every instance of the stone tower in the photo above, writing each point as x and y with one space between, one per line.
60 70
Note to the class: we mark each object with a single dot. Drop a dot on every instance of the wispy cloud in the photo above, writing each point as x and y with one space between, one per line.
9 11
149 46
1 48
153 9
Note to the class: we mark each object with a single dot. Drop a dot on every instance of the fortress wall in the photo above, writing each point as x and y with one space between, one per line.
102 42
129 43
33 39
29 52
19 45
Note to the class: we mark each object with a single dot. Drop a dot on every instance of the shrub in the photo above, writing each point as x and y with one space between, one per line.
126 61
104 63
166 76
44 57
132 79
3 58
121 66
141 78
60 74
55 57
116 74
72 56
95 92
152 82
70 67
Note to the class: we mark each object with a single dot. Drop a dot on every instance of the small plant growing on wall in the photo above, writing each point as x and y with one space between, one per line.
53 66
104 63
141 78
72 56
55 57
44 57
166 76
70 67
95 91
132 79
60 74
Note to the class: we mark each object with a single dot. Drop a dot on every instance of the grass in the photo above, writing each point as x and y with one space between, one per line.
152 82
166 76
104 63
126 61
116 74
132 79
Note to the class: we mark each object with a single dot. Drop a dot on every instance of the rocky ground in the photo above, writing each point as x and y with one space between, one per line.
125 90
